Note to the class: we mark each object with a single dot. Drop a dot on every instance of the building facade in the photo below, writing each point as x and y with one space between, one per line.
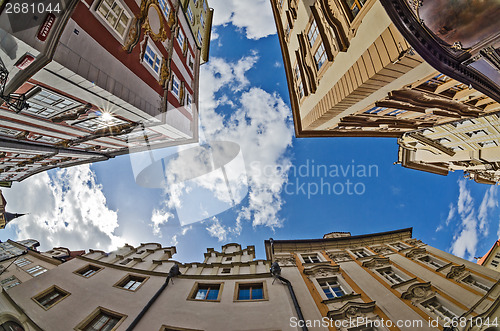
492 258
380 281
471 145
91 80
229 290
352 71
388 281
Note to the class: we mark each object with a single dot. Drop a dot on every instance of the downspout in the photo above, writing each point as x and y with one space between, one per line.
174 271
276 272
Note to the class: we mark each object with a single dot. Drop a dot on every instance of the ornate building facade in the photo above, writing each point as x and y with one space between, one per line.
387 281
96 79
353 70
380 281
471 145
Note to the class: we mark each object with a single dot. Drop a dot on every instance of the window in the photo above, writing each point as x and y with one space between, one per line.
189 101
176 86
311 258
22 262
399 246
101 320
331 288
152 59
180 38
312 34
88 271
298 81
473 281
11 326
46 103
9 132
131 282
204 5
320 56
115 15
206 292
247 292
355 6
391 276
165 8
9 282
435 263
494 263
36 270
396 112
436 307
490 143
229 258
126 261
200 38
477 133
100 122
375 110
226 270
190 14
202 21
360 253
50 297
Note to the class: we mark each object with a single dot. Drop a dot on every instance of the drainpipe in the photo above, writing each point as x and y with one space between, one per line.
174 271
276 272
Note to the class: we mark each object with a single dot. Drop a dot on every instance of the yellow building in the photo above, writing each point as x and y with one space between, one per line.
199 16
492 258
354 70
471 145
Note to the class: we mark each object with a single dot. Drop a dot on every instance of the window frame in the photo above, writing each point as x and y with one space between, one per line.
396 272
127 278
190 14
309 257
158 56
196 287
431 259
263 284
477 280
346 290
83 325
77 271
175 79
46 292
107 25
35 273
431 313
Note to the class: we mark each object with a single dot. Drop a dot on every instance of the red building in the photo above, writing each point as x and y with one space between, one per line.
90 80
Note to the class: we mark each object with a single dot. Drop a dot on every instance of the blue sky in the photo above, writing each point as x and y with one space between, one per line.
244 99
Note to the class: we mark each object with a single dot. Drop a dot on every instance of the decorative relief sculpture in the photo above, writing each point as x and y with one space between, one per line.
417 293
339 256
415 253
457 272
376 262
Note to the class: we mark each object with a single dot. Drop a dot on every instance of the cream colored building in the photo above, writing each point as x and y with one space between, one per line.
380 281
229 290
387 281
350 72
471 145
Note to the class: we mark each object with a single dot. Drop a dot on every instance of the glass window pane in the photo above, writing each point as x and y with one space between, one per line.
257 293
201 295
213 294
244 294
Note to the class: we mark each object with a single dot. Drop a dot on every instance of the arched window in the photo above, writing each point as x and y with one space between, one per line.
11 326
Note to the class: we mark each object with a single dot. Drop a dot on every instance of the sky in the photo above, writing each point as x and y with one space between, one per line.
267 182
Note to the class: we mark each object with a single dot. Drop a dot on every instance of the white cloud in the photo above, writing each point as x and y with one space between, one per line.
67 210
473 221
216 230
489 202
260 124
254 17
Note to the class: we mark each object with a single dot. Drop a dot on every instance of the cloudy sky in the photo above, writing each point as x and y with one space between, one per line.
269 184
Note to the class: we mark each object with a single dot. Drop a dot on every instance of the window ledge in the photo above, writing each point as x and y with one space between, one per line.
342 298
406 282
